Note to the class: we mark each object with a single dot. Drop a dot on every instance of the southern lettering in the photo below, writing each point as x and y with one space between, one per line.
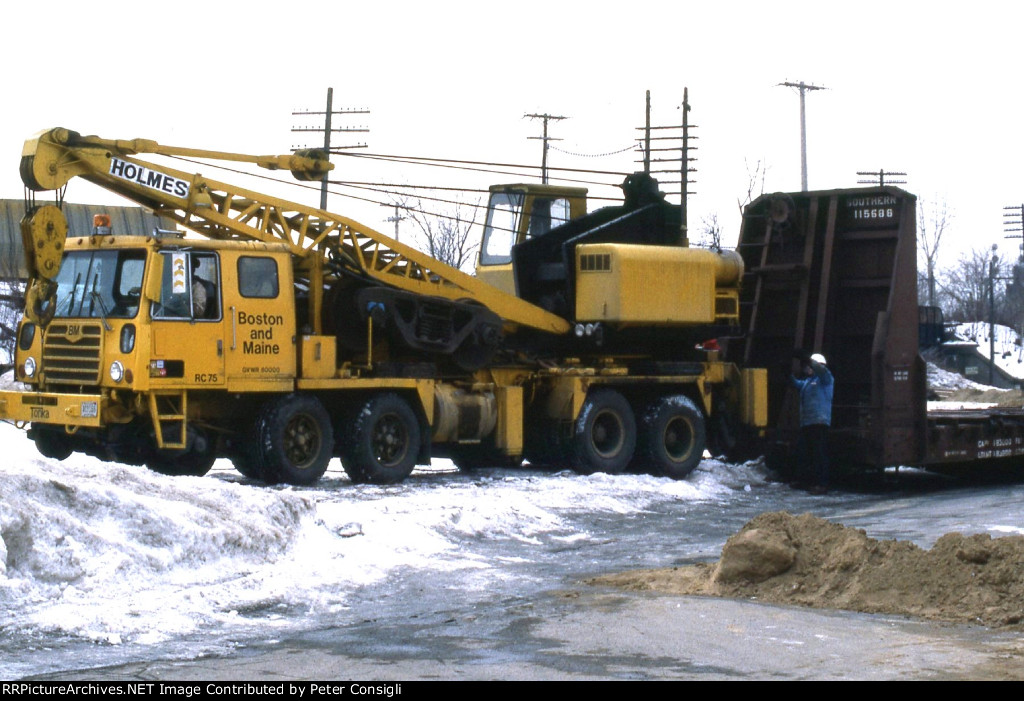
878 201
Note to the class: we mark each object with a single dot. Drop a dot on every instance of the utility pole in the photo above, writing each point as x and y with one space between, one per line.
684 169
803 88
678 132
993 276
545 138
327 131
993 263
880 176
1013 226
1013 221
397 218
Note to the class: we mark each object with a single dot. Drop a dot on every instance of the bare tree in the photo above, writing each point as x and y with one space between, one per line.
965 288
933 218
12 303
710 235
445 235
755 183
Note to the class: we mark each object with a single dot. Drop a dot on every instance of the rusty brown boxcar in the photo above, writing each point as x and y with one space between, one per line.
835 272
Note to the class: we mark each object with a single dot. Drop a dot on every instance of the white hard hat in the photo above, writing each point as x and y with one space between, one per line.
819 358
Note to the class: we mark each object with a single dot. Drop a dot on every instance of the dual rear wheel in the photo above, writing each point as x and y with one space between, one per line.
293 440
668 440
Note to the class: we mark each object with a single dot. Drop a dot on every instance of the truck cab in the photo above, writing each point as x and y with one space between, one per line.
162 315
516 213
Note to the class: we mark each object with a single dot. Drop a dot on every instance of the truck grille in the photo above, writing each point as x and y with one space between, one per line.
72 352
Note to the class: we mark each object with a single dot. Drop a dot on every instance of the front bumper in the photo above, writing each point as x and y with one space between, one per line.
52 408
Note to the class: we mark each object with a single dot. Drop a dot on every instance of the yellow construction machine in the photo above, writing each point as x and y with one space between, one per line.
280 335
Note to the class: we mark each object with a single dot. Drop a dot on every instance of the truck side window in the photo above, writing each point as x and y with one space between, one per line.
205 287
190 289
257 277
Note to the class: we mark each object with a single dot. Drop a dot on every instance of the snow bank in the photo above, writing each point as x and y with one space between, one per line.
116 554
106 551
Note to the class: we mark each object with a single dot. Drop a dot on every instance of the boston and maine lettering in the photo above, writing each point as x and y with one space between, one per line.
261 334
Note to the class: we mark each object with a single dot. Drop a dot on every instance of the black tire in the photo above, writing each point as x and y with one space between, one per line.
244 446
383 441
294 439
52 444
672 437
247 467
604 434
177 463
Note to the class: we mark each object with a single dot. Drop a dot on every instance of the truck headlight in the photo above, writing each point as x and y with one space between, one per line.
30 367
116 371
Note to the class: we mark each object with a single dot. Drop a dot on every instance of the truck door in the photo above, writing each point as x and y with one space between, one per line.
260 304
188 322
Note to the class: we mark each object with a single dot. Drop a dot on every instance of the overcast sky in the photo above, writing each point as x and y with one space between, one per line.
929 89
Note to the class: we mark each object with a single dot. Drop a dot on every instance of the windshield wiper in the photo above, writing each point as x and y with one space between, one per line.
98 299
71 297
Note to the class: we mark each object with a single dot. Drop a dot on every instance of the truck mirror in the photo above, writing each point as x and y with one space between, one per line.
155 278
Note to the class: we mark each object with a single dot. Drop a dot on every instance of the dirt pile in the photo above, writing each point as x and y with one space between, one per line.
999 397
807 561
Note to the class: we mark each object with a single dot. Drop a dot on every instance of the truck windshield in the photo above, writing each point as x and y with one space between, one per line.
100 284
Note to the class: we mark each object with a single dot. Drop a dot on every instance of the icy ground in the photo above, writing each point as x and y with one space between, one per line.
101 563
120 556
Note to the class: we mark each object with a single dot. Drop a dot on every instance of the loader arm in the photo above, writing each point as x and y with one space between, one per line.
325 246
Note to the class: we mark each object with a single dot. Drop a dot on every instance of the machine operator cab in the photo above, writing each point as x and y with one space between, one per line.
516 213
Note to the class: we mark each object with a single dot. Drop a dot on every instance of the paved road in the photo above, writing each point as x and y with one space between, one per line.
589 633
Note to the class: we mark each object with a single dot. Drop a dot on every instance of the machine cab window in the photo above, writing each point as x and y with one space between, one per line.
501 227
190 288
504 219
546 214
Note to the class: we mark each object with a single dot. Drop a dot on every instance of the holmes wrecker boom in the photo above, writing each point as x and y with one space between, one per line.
284 335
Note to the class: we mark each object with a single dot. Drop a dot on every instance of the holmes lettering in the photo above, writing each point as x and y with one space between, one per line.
149 178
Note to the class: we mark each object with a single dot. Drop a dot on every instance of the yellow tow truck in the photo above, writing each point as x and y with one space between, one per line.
281 336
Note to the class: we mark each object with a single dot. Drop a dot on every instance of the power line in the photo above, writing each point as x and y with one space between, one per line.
594 155
463 165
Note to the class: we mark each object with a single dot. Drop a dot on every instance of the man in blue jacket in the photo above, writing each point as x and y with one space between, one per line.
815 387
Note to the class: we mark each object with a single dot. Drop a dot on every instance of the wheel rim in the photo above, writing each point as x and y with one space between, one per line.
302 441
678 439
390 440
608 434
